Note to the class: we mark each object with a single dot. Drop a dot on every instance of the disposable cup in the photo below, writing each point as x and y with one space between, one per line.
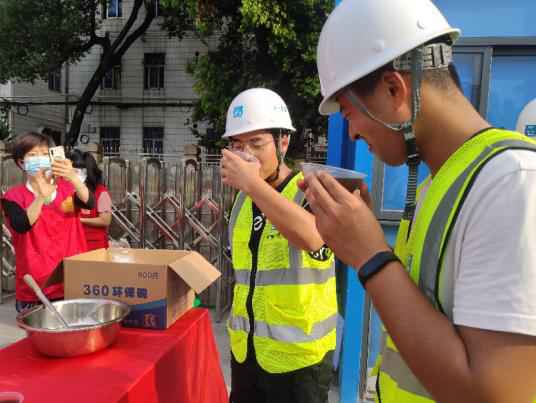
346 177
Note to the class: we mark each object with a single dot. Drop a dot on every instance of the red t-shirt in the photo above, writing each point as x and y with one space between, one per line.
55 235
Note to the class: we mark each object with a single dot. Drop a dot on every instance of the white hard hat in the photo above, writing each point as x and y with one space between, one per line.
257 109
360 36
526 123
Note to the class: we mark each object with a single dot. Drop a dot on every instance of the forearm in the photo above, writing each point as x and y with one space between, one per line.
34 210
426 339
81 190
291 220
103 220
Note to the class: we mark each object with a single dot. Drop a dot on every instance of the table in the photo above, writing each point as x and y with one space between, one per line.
179 365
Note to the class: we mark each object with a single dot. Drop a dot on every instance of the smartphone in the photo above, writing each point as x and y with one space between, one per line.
56 153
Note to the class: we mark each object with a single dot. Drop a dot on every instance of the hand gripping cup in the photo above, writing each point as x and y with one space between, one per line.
347 178
245 156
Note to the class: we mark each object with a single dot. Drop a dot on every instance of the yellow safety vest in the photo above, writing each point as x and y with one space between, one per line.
423 251
294 296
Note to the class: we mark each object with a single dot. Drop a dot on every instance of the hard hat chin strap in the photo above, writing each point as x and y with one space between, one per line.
423 58
275 175
412 152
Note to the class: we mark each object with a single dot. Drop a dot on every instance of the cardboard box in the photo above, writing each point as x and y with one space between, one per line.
159 285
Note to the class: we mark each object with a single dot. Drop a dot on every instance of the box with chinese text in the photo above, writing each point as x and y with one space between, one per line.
159 285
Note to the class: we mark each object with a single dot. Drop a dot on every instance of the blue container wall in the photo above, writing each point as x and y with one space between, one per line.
491 18
512 85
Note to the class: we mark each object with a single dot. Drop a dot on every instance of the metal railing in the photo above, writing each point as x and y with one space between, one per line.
172 203
177 204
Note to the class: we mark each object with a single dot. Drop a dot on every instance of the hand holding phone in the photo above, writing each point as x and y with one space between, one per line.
56 153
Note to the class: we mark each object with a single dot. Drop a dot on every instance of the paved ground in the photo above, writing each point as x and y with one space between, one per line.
9 333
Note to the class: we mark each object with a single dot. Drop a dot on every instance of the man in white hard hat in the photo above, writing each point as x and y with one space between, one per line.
283 318
458 295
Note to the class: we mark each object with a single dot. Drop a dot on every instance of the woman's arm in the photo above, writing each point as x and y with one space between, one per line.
103 220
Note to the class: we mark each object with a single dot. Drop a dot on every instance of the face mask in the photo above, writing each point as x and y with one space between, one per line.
82 174
32 165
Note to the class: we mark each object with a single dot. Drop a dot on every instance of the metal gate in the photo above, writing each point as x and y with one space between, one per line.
174 204
10 174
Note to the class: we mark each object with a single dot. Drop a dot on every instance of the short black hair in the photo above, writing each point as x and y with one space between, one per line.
439 78
23 143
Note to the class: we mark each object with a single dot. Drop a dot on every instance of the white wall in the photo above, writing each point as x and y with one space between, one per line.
37 116
5 89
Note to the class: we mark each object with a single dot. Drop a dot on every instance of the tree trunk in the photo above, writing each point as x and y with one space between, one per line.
110 55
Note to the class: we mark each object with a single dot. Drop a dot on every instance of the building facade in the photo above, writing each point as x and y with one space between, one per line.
29 111
143 104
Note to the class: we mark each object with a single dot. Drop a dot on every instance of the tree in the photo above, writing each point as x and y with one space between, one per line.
269 43
38 36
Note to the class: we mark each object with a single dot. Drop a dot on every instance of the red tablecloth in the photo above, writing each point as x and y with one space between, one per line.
179 365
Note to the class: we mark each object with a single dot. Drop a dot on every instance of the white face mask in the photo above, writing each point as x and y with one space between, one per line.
82 174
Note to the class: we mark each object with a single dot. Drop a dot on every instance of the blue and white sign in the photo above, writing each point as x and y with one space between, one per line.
530 130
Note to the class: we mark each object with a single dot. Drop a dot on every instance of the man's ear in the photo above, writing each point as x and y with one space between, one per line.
398 87
20 163
284 143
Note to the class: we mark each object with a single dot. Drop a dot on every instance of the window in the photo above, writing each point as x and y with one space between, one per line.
470 63
512 86
115 9
110 139
158 8
54 80
153 140
112 78
154 70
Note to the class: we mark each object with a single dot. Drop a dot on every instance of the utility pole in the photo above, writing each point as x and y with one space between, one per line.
66 111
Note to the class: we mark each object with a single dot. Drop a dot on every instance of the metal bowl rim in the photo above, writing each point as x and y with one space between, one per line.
79 328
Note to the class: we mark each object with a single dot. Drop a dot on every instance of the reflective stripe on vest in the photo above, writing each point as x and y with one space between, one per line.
423 252
239 202
285 276
286 334
444 218
294 301
398 373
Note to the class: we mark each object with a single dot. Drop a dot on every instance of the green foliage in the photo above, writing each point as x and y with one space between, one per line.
36 36
265 43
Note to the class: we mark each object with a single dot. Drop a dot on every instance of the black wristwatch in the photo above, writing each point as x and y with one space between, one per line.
375 264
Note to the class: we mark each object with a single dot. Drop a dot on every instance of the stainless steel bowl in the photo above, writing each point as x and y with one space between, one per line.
93 326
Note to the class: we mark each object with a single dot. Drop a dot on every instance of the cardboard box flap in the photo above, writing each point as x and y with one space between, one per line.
195 270
94 255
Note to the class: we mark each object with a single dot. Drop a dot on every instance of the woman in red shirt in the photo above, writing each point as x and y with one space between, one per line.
96 220
41 217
